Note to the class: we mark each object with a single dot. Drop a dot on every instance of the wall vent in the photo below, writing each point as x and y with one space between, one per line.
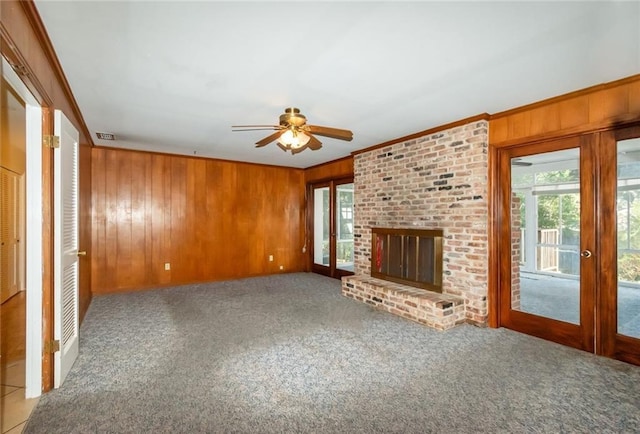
106 136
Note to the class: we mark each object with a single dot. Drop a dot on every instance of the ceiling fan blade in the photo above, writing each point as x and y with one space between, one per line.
334 133
254 129
294 151
255 126
314 144
268 139
284 148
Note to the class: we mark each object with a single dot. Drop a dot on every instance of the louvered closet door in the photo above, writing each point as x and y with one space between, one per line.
66 247
4 234
9 234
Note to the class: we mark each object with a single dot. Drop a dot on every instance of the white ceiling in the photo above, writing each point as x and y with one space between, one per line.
174 76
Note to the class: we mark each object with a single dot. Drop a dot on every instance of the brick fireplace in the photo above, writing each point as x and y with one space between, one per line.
434 182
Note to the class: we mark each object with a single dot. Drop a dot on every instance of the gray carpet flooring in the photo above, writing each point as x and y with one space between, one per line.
289 353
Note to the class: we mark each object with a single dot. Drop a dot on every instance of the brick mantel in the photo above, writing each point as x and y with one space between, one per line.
438 181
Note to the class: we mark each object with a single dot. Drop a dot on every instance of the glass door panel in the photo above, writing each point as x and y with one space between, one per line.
321 226
545 204
344 226
628 237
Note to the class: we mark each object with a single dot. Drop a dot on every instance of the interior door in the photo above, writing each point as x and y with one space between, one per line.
10 230
619 301
65 247
547 246
332 227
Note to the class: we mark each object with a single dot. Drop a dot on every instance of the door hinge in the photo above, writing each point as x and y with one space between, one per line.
51 347
50 141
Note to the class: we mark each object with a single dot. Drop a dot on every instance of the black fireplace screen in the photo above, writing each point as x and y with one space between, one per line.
409 256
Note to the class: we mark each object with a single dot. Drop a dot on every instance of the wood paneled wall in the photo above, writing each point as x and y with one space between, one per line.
342 168
209 219
84 207
595 108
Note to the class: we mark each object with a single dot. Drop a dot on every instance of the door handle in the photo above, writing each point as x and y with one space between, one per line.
586 253
82 253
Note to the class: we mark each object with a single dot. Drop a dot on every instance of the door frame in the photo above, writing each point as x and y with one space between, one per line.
331 270
37 229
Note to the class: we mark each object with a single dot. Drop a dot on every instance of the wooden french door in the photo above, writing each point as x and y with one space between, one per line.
618 313
331 222
566 208
547 241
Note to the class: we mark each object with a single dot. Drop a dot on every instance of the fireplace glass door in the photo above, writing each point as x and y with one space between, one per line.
332 227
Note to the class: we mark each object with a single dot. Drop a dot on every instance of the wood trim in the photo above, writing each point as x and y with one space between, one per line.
588 239
336 161
480 117
493 227
33 16
502 239
606 318
627 349
47 251
308 226
22 68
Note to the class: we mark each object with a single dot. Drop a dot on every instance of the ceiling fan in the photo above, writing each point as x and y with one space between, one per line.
293 134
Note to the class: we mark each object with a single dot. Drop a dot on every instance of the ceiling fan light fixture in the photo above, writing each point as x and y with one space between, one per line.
293 139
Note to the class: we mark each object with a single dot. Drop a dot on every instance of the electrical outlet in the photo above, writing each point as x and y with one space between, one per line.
167 266
282 267
270 258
